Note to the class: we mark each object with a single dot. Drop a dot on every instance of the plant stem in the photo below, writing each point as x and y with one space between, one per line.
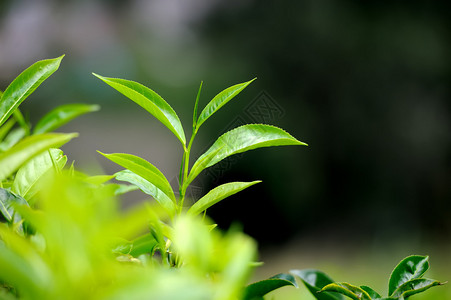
185 161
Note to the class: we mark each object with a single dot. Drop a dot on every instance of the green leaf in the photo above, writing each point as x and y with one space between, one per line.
147 187
413 287
373 294
241 139
220 100
349 290
27 177
11 160
98 179
21 120
143 245
5 128
217 194
12 138
62 115
196 105
409 268
314 281
150 101
25 84
7 201
258 289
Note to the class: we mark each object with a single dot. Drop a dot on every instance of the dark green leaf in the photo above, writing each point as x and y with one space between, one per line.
258 289
147 187
7 202
409 268
241 139
373 294
217 194
349 290
23 151
27 177
62 115
315 280
150 101
219 101
413 287
25 84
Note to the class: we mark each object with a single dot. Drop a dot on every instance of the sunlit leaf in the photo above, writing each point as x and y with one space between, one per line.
25 84
217 194
258 289
5 128
241 139
62 115
409 268
11 160
349 290
314 281
147 187
27 177
413 287
150 101
219 101
373 294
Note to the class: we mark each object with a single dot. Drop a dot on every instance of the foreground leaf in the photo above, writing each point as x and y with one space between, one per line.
241 139
11 160
217 194
25 84
258 289
219 101
314 281
150 101
413 287
27 177
62 115
147 187
409 268
349 290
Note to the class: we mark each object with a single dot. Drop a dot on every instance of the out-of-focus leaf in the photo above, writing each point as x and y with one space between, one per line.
150 101
315 280
241 139
413 287
5 128
125 188
27 177
21 120
409 268
12 138
373 294
349 290
147 187
25 84
98 179
143 245
29 147
62 115
7 202
258 289
217 194
219 101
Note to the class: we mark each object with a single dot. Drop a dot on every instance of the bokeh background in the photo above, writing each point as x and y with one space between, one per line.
365 83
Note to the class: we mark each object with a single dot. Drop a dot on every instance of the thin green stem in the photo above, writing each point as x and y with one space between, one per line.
185 161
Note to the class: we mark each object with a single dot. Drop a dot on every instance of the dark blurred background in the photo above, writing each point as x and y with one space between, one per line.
365 83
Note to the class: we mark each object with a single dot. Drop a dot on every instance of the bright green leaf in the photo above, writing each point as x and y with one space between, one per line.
413 287
219 101
27 177
409 268
150 101
349 290
315 280
5 128
25 84
62 115
258 289
241 139
147 187
196 105
21 120
11 160
12 138
373 294
217 194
